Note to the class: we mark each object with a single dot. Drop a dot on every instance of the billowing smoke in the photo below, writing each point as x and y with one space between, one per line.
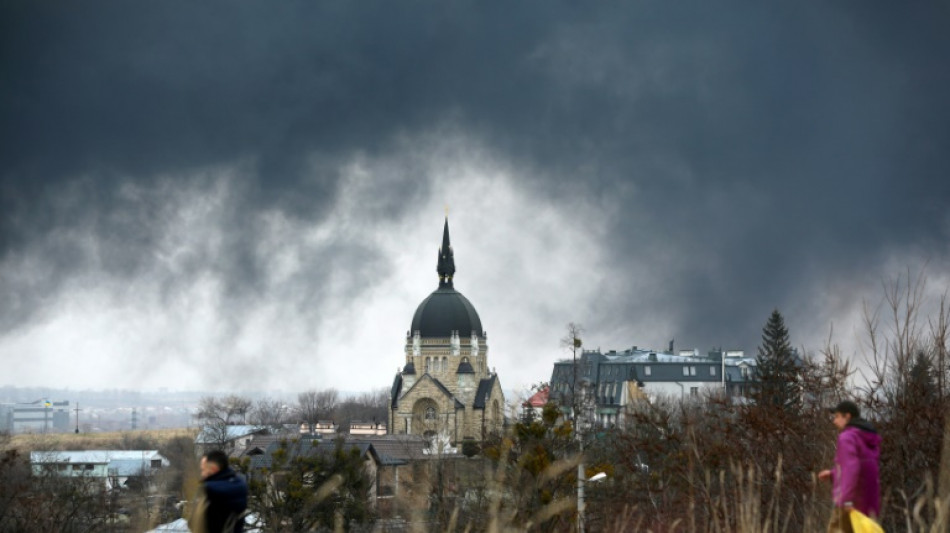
236 196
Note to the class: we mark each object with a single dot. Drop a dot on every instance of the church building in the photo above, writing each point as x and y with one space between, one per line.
446 388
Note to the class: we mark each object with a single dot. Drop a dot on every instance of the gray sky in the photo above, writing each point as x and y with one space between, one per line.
249 195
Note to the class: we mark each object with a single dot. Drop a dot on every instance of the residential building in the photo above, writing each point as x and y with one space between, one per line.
113 468
359 429
533 407
232 439
613 381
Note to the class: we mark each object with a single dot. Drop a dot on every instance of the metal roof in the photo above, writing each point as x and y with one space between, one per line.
95 456
444 311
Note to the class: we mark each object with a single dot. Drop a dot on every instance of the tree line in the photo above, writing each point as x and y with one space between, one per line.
310 407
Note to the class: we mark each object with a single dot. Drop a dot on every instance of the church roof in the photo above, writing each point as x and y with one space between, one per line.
446 310
397 389
485 387
458 404
438 384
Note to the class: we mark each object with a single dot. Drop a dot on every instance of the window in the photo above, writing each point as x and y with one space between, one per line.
430 413
712 371
685 370
427 364
445 364
692 371
694 391
647 370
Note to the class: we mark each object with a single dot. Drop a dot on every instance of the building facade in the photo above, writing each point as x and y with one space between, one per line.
610 383
41 416
112 468
445 387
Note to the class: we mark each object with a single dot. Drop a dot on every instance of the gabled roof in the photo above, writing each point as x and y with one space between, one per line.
308 447
439 385
260 443
396 449
539 398
397 388
484 391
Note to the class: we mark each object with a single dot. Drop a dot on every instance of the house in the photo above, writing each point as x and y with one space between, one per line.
113 468
533 407
611 382
320 427
367 428
403 461
232 439
265 463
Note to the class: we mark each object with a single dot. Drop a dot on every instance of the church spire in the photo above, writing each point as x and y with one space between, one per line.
446 265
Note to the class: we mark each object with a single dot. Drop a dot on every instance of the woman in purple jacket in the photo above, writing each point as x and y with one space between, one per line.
855 479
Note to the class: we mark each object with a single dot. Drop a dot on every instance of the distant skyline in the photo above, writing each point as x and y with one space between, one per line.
239 196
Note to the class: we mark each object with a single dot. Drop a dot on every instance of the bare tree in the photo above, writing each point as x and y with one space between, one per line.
907 396
269 412
572 343
313 406
210 409
236 408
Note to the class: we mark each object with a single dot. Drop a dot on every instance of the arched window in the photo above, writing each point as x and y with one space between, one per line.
428 361
445 364
496 416
430 413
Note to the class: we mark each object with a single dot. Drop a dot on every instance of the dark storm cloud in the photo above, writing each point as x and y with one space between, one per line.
746 150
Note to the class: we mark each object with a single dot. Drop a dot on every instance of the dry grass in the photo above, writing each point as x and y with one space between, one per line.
117 440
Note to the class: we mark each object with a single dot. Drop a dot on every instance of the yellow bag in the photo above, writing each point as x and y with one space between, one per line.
862 523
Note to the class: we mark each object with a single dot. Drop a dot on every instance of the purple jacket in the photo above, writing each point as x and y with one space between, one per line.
856 475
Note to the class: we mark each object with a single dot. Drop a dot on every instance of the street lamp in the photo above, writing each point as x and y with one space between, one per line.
581 505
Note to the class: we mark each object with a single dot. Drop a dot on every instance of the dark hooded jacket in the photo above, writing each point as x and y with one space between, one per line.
856 475
226 496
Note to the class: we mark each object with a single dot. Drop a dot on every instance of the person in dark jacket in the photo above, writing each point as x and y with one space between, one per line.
225 494
855 478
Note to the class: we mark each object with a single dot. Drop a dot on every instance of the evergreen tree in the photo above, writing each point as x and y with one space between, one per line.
306 485
777 372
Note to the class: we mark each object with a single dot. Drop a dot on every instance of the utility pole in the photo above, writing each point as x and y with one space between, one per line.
77 409
580 488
